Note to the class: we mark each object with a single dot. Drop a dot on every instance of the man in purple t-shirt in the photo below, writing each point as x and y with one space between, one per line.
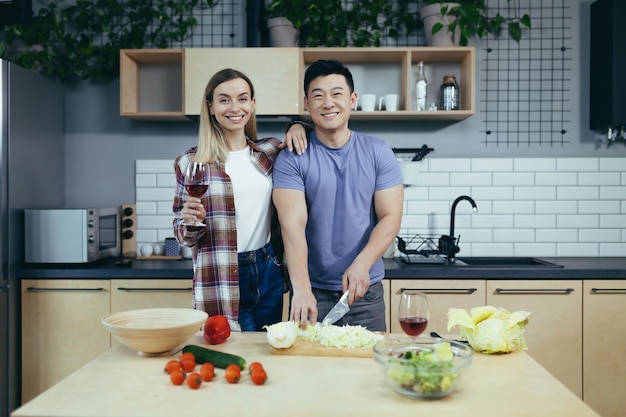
339 205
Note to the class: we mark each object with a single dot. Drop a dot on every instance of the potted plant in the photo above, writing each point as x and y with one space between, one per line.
330 23
465 19
83 40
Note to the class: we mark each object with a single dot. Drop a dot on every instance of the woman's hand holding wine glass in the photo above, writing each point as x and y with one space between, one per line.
413 312
196 184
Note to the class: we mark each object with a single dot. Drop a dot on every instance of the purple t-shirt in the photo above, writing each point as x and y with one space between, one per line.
339 186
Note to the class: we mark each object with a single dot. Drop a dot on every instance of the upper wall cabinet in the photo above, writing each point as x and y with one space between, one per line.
273 71
151 83
169 84
383 71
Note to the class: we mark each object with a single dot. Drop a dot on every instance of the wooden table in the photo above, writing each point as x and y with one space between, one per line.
120 383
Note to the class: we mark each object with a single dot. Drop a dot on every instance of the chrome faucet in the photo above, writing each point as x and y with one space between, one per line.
448 244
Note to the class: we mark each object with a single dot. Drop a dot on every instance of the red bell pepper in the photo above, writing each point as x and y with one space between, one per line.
216 330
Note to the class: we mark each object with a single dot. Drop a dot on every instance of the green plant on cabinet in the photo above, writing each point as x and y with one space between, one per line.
83 40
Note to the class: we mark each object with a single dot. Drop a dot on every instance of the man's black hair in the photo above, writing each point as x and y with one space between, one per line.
325 67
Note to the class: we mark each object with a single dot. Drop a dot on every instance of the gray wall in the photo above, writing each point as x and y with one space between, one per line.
101 146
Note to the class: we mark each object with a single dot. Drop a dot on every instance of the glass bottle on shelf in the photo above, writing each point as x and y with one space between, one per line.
449 93
421 87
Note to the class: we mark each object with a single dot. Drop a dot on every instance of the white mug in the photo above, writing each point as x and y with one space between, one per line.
391 102
368 102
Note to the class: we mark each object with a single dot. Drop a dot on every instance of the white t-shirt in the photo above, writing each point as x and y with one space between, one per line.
252 191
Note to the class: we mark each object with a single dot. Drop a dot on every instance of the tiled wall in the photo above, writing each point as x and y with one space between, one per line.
526 206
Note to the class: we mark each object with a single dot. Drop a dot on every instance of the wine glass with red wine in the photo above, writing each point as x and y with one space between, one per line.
413 312
196 183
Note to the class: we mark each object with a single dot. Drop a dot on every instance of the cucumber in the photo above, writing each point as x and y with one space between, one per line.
218 359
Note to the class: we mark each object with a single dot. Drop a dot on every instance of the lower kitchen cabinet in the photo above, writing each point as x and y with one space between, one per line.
132 294
554 332
442 295
604 346
61 329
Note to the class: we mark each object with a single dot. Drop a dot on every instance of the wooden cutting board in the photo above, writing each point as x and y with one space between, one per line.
308 348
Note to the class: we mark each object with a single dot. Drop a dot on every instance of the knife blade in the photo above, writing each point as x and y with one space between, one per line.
338 311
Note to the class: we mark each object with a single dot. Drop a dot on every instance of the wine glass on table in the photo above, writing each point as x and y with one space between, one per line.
413 312
196 184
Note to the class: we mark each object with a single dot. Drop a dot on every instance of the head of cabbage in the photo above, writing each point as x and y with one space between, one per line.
489 329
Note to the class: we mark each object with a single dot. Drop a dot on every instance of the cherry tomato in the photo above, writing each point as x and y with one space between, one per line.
258 376
194 380
177 377
188 364
207 372
216 329
172 366
255 365
233 373
187 355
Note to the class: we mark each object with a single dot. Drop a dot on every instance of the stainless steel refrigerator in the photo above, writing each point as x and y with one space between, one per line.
32 165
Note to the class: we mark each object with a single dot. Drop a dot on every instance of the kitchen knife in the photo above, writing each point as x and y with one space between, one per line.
338 311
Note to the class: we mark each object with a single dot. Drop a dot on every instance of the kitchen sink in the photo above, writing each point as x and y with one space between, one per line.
504 262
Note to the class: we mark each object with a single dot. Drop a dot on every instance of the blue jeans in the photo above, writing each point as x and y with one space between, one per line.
368 311
260 289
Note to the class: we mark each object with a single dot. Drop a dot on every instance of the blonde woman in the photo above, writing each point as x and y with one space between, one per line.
236 270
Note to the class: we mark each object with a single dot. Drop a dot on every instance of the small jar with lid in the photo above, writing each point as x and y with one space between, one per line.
449 93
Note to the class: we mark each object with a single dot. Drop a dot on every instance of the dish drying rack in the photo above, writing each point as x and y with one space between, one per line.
420 249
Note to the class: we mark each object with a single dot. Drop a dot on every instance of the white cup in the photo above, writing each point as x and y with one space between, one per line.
368 102
147 250
186 252
390 101
158 249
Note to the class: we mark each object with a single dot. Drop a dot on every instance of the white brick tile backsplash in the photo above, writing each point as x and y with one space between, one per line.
513 178
534 193
613 193
599 178
612 249
491 164
556 235
599 207
534 221
556 207
469 178
446 165
556 178
534 165
577 193
577 164
526 206
600 235
580 221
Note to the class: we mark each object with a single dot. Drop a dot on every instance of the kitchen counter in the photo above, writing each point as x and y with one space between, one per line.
120 383
112 268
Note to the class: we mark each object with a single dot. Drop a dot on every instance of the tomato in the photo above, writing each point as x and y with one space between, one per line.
258 376
188 363
233 373
172 366
177 377
187 355
207 371
255 365
194 380
216 330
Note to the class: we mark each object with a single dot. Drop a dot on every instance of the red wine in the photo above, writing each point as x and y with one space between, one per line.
196 190
413 326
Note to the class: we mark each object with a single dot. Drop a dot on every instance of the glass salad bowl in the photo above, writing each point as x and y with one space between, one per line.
423 367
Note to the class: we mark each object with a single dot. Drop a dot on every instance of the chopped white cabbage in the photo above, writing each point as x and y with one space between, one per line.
346 337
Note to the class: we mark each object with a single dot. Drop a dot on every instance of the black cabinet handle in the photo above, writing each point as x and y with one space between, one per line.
440 290
153 289
608 290
37 289
534 291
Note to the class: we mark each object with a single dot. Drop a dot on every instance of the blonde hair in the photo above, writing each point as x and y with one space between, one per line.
211 144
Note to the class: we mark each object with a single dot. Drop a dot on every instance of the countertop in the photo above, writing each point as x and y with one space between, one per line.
112 268
120 383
